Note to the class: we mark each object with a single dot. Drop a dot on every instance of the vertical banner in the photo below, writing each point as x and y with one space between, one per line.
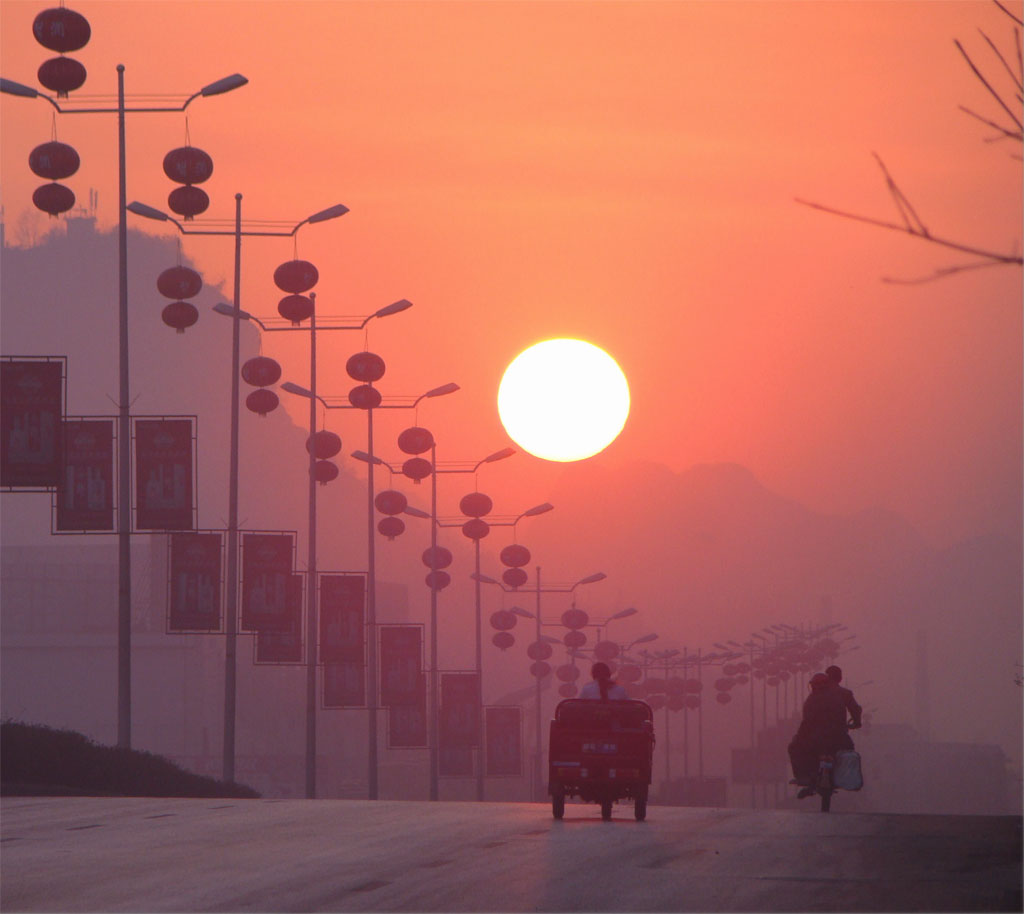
459 720
163 474
401 650
407 724
266 572
195 585
284 646
504 741
85 495
343 639
31 410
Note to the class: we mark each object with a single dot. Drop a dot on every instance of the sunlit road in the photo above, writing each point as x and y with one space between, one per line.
85 854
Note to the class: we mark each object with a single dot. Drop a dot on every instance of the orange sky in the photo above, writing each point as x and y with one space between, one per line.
619 172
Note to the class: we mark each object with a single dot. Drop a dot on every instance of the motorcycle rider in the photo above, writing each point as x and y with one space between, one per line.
823 729
602 686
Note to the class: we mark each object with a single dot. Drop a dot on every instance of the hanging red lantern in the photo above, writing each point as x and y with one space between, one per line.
62 30
438 580
390 502
638 690
416 468
262 401
364 397
692 702
61 75
188 165
503 640
415 440
514 577
476 529
568 690
676 702
724 684
655 685
365 367
694 685
629 672
657 702
772 681
295 308
742 680
503 620
575 618
436 557
188 201
296 276
476 504
723 698
574 640
179 282
515 556
324 471
261 371
606 650
674 685
567 672
323 444
540 669
53 198
179 315
54 160
538 650
729 669
391 527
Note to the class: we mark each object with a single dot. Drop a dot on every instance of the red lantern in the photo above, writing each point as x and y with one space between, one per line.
476 529
391 527
324 471
729 669
692 702
476 504
416 468
674 685
772 681
61 75
295 308
54 161
694 685
323 444
437 557
364 397
503 620
438 580
61 30
296 276
515 556
261 371
188 165
365 366
657 702
723 698
540 669
188 201
575 618
568 690
606 650
262 401
742 680
390 502
179 282
567 672
538 650
724 684
574 640
53 198
676 702
514 577
415 440
629 672
179 315
655 685
503 640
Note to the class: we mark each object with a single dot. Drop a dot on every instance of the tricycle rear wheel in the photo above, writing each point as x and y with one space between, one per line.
640 804
606 809
557 802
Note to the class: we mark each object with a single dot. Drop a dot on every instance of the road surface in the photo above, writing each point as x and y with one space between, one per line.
141 855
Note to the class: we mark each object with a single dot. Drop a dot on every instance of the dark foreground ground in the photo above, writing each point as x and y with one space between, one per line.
137 854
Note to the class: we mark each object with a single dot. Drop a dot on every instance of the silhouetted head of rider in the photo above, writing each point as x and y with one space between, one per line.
835 674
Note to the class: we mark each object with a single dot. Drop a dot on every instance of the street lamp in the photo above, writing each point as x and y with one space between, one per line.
124 500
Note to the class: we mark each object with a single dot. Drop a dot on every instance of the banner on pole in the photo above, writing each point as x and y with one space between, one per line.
407 723
266 572
504 741
285 646
459 720
31 410
342 616
163 474
344 684
195 582
401 651
85 495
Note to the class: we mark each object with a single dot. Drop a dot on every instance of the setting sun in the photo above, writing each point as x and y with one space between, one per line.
563 400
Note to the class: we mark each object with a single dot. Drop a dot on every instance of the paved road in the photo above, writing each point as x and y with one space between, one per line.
141 855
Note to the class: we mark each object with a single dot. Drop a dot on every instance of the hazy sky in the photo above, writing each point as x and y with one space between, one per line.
619 172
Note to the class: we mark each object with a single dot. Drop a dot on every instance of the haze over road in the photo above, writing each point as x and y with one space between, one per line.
93 854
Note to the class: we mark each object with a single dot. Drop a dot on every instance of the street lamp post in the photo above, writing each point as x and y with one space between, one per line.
124 589
236 312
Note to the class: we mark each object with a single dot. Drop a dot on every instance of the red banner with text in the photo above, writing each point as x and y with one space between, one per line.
31 411
266 573
163 474
407 723
401 651
342 614
195 585
459 720
285 646
85 495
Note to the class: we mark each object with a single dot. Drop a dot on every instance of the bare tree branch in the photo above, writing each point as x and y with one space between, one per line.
1016 80
913 222
985 83
941 273
1008 13
1006 134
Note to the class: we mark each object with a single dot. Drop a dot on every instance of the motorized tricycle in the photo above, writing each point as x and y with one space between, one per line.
601 751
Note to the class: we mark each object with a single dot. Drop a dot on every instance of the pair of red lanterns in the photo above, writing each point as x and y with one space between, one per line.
188 166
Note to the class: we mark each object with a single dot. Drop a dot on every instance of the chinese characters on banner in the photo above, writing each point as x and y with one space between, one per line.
401 648
342 639
85 495
31 410
266 571
504 736
407 724
458 724
195 582
163 474
284 646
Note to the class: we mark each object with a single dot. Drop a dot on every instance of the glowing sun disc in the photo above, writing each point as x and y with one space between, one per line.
563 400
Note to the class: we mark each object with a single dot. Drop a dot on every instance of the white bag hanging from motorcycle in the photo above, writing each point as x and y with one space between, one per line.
846 774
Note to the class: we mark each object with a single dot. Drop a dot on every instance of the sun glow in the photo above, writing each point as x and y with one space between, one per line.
563 400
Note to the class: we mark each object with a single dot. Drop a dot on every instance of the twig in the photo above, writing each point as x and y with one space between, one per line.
941 273
1006 134
985 83
1002 60
1008 13
913 222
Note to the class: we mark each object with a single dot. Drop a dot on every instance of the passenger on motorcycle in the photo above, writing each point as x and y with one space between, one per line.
823 730
602 685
